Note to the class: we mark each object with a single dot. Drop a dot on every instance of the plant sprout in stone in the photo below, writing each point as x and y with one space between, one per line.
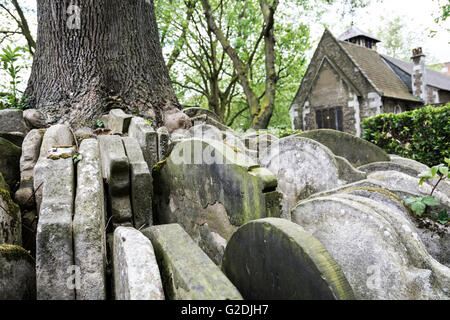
8 58
420 205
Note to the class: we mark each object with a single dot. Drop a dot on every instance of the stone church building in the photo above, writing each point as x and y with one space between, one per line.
348 80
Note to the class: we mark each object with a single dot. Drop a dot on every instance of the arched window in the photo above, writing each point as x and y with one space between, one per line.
331 118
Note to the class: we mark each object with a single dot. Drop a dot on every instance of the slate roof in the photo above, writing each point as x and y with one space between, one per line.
433 78
384 79
355 32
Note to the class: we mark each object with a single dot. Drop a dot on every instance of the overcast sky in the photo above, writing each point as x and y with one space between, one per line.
418 16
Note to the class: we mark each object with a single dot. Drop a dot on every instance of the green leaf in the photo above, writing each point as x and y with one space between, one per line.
77 157
442 217
419 208
430 201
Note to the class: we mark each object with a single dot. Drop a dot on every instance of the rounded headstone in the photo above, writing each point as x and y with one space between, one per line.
356 150
17 274
273 259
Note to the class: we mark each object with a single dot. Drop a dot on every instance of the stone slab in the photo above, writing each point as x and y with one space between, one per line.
147 138
136 272
141 184
275 259
119 121
206 186
54 246
116 173
356 150
89 224
17 274
187 272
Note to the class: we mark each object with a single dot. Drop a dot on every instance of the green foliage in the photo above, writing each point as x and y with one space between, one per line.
421 205
422 134
99 124
77 157
11 98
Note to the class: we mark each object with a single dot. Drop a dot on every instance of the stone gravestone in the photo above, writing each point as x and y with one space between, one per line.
17 274
302 166
376 248
136 272
187 272
356 150
116 173
275 259
54 246
210 189
10 218
89 224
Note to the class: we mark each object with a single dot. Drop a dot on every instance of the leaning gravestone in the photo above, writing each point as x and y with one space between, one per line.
370 248
17 274
187 272
54 246
9 161
89 224
272 259
30 155
119 121
10 218
116 173
357 151
55 136
141 184
147 137
136 272
210 190
302 166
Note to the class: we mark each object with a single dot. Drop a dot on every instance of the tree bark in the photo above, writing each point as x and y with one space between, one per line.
110 57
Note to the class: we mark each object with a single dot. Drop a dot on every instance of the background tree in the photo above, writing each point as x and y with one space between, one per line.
398 41
97 54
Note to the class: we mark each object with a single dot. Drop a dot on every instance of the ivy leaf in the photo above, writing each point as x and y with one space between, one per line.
418 207
442 218
77 157
430 201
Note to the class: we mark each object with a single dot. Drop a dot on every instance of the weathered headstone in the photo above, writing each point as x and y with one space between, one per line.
210 189
116 172
34 118
187 272
54 247
141 184
9 161
10 220
56 137
368 247
356 150
12 121
163 143
136 272
302 167
17 274
89 224
119 121
272 259
147 138
30 154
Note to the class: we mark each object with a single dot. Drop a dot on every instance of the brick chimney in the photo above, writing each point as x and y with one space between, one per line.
419 75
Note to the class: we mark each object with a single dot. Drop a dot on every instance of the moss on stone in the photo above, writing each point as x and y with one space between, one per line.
158 166
13 208
3 184
59 156
15 253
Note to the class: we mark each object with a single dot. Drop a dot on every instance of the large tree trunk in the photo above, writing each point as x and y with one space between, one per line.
110 57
